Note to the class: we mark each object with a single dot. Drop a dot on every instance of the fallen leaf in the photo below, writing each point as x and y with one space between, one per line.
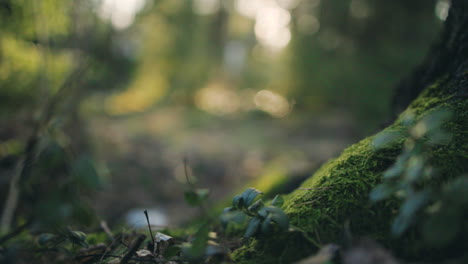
144 253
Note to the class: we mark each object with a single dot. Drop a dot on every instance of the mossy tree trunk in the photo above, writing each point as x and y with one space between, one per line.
337 195
448 57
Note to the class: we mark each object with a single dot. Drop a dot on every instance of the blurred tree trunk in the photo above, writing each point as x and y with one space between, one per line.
335 200
448 57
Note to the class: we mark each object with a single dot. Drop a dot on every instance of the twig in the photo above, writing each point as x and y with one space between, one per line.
111 256
106 229
308 202
97 255
122 243
133 248
14 233
306 236
316 188
186 172
318 236
151 232
24 165
192 187
110 247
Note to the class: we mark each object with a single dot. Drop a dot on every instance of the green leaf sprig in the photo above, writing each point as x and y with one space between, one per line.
261 218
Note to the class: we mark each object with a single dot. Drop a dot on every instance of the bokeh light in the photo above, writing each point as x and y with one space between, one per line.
441 9
271 21
272 103
121 13
218 99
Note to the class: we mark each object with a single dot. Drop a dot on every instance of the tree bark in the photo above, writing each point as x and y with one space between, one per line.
448 56
337 195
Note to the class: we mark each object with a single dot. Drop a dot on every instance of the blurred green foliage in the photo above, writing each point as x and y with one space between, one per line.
52 55
342 55
430 203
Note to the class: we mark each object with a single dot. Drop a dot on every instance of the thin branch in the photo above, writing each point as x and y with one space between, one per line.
106 229
111 256
308 202
24 166
135 245
96 255
316 188
186 171
110 247
318 236
14 233
151 232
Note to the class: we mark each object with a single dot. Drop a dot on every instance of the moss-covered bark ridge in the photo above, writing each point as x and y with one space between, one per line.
337 195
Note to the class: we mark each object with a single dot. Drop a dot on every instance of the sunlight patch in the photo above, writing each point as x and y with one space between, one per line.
120 13
272 103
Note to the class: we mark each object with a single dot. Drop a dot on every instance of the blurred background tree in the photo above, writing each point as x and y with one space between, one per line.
248 90
52 55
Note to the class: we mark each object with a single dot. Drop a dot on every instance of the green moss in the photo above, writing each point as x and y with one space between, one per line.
338 192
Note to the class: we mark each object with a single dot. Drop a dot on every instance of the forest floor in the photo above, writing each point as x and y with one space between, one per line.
144 155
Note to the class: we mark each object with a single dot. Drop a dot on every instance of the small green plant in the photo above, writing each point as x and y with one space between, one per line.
200 244
194 196
436 208
260 218
65 240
